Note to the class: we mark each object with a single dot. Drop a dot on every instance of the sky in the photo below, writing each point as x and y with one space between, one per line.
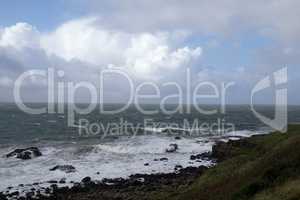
154 41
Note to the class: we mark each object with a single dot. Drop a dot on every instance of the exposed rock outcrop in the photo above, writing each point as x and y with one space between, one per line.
25 154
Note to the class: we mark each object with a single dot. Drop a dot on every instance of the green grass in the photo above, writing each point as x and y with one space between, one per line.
268 171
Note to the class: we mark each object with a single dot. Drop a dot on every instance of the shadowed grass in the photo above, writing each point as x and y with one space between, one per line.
269 170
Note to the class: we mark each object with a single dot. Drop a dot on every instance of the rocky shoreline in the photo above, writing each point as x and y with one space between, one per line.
118 188
135 187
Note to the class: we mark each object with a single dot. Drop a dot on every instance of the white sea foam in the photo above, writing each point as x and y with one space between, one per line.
118 158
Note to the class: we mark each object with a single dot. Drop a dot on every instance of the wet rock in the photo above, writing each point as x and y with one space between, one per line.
62 189
47 191
98 173
202 156
54 187
146 164
115 181
52 181
16 193
64 168
2 196
172 148
177 138
62 181
164 159
29 195
25 154
86 180
177 167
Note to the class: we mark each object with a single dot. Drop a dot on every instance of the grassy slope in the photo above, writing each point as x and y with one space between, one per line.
269 171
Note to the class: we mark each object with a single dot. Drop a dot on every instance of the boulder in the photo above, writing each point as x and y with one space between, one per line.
201 156
52 181
178 167
25 154
62 181
163 159
86 180
172 148
64 168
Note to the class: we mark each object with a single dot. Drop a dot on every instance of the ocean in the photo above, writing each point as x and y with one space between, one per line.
122 152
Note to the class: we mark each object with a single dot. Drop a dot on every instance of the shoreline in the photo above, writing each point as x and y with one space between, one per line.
140 186
181 177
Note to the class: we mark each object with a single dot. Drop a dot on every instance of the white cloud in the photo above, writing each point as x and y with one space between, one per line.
277 18
19 36
144 54
148 54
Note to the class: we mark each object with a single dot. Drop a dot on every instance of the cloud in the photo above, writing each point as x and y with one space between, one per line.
157 39
144 54
82 48
19 36
275 18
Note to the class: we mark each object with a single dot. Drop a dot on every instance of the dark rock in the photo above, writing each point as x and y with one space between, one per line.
178 167
115 181
164 159
54 187
155 159
86 180
202 156
62 181
64 168
52 181
16 193
177 138
146 164
98 173
47 191
29 195
2 196
172 148
25 154
62 189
